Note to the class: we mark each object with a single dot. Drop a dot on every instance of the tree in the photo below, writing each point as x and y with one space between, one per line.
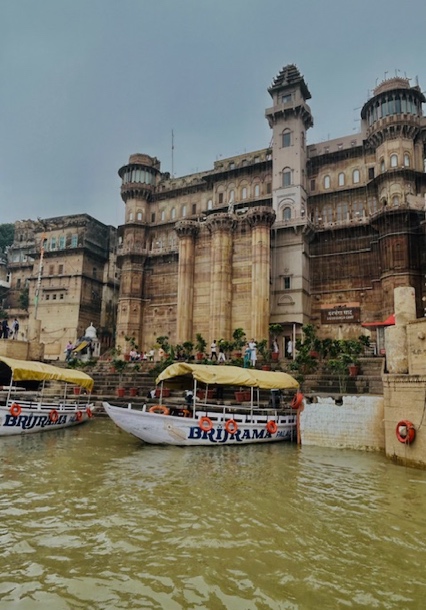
24 300
7 235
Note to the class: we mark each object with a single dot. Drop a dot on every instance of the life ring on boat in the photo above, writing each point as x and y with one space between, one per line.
297 400
405 432
160 410
271 426
15 409
53 416
231 426
89 412
78 415
205 424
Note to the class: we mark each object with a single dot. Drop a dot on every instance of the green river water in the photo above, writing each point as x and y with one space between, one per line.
93 519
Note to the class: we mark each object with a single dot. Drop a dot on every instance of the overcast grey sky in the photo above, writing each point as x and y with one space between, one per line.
86 83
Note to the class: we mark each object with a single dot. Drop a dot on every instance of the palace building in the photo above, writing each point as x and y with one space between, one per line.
294 233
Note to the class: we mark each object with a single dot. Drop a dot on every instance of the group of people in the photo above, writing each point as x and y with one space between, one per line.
7 332
216 352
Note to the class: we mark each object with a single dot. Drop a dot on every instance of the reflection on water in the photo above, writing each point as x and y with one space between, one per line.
90 518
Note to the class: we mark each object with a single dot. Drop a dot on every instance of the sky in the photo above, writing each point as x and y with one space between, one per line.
87 83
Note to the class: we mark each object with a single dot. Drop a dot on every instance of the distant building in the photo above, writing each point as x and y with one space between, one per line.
290 234
64 269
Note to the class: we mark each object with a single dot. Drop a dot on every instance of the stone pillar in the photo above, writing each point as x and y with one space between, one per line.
221 227
187 230
396 336
260 220
130 304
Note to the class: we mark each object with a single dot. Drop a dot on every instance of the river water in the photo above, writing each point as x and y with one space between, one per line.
91 518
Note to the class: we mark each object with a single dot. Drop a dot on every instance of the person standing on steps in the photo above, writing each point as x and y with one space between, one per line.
213 350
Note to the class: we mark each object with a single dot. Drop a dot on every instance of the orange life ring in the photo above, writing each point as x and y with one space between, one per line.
78 415
89 412
297 400
205 424
271 426
53 416
15 409
231 426
405 432
160 410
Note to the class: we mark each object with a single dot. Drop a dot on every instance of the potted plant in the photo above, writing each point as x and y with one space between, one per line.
200 346
239 337
188 348
120 366
134 390
265 352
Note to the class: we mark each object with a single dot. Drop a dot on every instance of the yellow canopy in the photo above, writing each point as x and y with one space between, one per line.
209 374
28 370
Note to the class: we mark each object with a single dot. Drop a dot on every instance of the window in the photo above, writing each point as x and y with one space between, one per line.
62 242
286 98
256 190
395 201
153 217
287 177
406 160
256 159
61 296
194 208
342 211
47 297
51 269
163 215
269 185
327 213
131 216
231 196
312 185
287 213
139 216
355 176
18 282
60 269
54 297
341 179
53 243
382 165
209 204
394 160
74 241
184 211
244 193
232 165
94 272
287 282
173 213
286 138
327 182
220 197
371 173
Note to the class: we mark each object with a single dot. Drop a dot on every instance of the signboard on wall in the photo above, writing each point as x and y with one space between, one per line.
349 313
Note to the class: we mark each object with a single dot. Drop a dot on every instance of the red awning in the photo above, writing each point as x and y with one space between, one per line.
390 321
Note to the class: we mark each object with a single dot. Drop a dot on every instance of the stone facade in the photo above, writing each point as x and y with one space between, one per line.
294 233
65 268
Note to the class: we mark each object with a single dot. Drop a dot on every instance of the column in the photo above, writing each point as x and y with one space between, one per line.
187 230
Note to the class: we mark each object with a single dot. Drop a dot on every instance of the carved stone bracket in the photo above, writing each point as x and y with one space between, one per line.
261 216
185 228
220 222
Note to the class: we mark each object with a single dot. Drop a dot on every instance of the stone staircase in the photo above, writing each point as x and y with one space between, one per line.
368 380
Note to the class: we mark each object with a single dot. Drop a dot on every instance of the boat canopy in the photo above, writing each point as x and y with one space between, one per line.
178 375
28 370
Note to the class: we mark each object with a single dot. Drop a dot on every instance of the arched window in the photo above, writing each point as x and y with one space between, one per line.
287 213
357 209
139 216
407 160
231 198
327 182
183 211
131 216
341 179
395 201
163 215
355 176
342 211
327 213
286 138
394 160
382 165
244 193
286 176
256 190
209 204
173 213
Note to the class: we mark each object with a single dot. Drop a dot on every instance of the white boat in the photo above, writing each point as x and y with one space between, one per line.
212 423
24 407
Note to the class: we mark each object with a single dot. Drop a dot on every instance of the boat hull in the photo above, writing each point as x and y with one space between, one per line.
41 418
159 429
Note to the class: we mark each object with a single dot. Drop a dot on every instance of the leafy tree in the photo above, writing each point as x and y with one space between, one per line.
7 234
24 298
